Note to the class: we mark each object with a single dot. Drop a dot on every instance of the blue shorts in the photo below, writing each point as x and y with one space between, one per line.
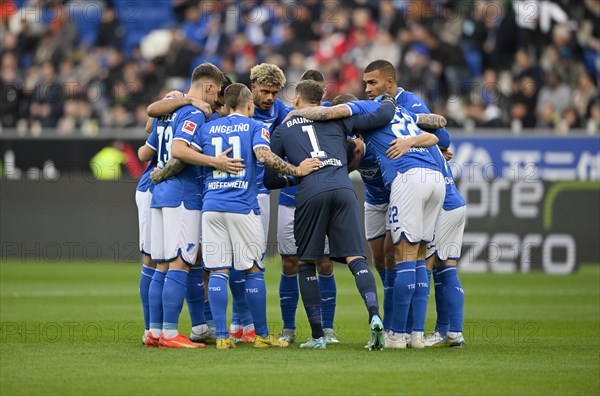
334 214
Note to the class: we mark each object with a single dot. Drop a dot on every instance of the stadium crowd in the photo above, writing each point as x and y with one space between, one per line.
79 66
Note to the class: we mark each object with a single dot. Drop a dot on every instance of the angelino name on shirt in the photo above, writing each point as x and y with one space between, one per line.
242 127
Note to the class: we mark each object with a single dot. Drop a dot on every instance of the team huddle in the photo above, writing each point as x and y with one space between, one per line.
203 203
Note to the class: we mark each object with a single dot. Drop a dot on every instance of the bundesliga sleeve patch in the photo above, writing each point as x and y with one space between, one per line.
266 135
189 127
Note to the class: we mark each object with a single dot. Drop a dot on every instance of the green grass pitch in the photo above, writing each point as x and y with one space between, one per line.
74 329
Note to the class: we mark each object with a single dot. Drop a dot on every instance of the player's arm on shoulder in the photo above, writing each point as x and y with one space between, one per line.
430 121
321 113
376 119
442 134
400 146
265 156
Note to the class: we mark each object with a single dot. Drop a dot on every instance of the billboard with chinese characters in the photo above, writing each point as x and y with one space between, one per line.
534 202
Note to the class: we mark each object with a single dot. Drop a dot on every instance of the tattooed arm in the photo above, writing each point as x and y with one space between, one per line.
171 169
430 121
269 159
320 113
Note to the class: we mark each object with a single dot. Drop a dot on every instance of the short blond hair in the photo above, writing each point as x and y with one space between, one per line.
267 74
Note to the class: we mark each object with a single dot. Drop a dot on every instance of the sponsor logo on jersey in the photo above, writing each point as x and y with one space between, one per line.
189 127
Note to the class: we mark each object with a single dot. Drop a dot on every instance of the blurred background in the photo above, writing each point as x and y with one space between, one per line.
517 81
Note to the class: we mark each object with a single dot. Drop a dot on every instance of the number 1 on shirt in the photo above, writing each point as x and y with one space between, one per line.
314 142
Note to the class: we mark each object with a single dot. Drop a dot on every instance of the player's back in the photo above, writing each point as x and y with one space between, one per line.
300 138
403 125
186 186
287 195
226 192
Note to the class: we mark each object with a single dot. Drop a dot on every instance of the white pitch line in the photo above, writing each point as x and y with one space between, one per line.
69 293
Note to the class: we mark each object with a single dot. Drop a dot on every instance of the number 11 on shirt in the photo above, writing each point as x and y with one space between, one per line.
235 142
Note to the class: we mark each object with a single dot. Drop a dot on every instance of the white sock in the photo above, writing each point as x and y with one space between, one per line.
146 333
200 329
248 328
170 333
452 334
235 327
155 332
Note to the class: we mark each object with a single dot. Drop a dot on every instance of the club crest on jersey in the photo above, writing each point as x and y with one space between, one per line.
266 135
189 127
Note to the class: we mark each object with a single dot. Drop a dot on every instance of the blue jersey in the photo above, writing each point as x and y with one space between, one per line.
145 183
299 138
375 191
186 187
287 196
226 192
415 104
271 119
402 125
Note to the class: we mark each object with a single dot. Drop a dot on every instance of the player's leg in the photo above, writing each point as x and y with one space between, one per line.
345 241
406 224
441 323
378 236
453 294
375 231
310 228
288 282
248 254
289 294
390 279
378 255
148 268
182 236
328 291
236 328
217 254
419 301
155 289
142 200
195 294
243 330
207 312
434 191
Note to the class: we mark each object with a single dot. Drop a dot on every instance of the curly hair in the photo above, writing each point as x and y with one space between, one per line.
267 74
